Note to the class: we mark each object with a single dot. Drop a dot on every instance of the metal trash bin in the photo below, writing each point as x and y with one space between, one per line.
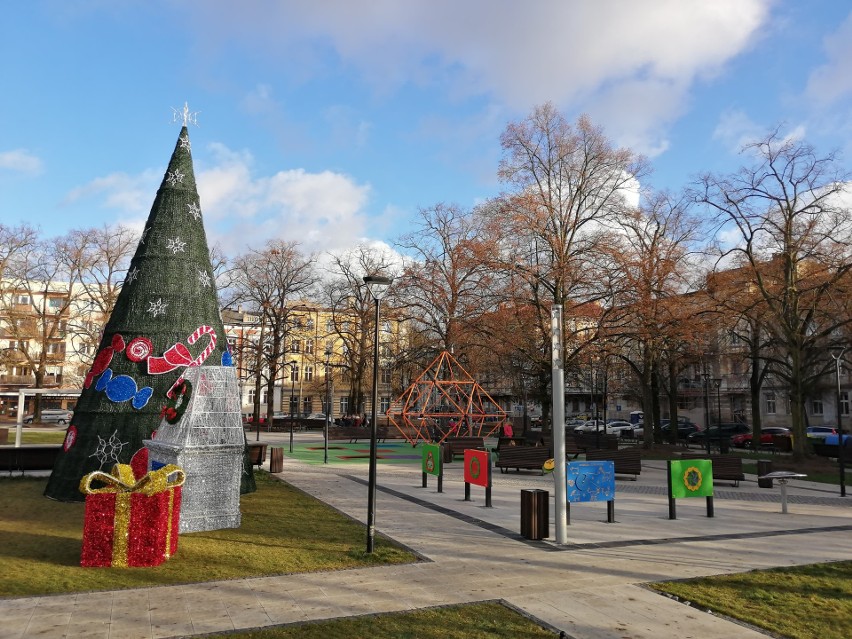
535 513
276 460
764 467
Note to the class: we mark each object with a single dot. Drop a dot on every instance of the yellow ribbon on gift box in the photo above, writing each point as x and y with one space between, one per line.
123 484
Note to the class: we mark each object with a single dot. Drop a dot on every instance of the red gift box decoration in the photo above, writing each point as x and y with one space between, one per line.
130 522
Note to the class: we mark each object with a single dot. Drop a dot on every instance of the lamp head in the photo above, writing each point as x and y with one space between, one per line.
377 285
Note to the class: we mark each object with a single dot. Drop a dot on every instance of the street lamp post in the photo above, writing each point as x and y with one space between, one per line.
560 489
717 382
378 286
705 376
327 406
837 355
292 365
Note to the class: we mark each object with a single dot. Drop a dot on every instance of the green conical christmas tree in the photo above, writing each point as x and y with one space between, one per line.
166 319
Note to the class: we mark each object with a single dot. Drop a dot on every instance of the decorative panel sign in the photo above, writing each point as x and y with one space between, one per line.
431 461
590 481
691 478
477 467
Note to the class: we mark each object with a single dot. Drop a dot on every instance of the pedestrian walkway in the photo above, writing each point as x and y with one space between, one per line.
590 588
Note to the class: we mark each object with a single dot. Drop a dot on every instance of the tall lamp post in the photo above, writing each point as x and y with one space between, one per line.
378 286
837 355
327 405
705 376
717 382
292 365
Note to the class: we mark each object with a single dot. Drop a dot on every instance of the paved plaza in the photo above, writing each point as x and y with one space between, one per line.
590 588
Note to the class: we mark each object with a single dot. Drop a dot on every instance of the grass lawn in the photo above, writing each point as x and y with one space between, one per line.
801 602
32 436
283 531
486 620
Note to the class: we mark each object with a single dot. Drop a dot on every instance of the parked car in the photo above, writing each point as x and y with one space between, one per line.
745 440
728 430
620 427
51 416
319 416
591 426
685 428
820 432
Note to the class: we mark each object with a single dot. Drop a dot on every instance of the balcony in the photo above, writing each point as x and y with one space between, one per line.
17 380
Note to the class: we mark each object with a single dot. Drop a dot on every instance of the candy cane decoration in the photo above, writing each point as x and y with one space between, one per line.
197 333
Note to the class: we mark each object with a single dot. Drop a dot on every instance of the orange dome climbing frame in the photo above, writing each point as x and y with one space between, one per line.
445 401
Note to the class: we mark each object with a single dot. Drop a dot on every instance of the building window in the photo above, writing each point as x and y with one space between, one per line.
295 346
344 405
294 373
250 398
55 303
386 375
309 373
264 396
384 403
56 348
386 326
816 407
22 299
310 323
309 347
329 347
329 326
307 405
844 403
769 398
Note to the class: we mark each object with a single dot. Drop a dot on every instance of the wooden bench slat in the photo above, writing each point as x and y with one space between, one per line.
526 457
627 461
725 467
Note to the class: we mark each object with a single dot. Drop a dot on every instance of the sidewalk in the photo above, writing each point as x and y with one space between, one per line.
591 588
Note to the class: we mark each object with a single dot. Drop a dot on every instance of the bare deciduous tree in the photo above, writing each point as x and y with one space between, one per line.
270 282
794 238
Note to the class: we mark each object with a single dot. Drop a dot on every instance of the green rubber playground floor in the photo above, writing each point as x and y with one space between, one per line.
359 453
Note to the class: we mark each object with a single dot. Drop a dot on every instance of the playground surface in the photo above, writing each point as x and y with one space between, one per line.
589 588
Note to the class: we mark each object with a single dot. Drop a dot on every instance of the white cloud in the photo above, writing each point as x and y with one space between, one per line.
130 194
20 161
519 54
737 130
323 211
832 81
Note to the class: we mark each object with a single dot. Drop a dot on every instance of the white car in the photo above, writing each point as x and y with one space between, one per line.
620 428
591 426
51 416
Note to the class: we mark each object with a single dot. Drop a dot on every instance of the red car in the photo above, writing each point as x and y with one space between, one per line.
743 440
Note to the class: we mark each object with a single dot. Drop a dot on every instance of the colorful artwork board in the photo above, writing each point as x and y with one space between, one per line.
590 481
691 478
431 459
477 467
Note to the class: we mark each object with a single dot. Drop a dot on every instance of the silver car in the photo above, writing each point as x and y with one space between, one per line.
51 416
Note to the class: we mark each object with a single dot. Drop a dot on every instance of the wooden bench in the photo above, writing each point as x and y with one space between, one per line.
526 457
571 448
627 461
592 441
725 467
353 433
457 445
29 457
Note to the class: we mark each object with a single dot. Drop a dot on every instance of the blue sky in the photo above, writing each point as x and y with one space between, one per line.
331 122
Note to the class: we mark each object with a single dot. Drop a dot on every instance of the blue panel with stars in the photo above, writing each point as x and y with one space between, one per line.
590 481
